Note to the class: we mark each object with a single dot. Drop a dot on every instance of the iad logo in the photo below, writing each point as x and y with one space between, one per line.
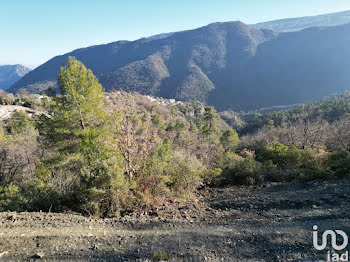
333 239
335 246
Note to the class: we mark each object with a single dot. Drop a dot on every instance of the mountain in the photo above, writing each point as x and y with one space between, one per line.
186 65
229 65
296 24
160 36
9 74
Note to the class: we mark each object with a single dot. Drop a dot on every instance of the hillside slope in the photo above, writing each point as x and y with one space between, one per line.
229 65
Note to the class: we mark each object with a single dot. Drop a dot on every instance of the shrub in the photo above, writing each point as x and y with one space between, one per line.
311 159
229 160
19 122
11 198
212 177
339 163
184 173
160 256
39 195
281 155
317 174
246 172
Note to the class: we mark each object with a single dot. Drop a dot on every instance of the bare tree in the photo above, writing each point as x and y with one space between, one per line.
18 155
339 134
135 141
311 133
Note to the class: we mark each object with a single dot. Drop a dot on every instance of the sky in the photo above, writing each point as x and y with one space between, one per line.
33 31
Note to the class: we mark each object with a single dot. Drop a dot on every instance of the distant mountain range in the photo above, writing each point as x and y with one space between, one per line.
296 24
9 74
229 65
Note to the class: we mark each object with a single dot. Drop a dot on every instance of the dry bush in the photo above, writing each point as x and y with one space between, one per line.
339 135
18 155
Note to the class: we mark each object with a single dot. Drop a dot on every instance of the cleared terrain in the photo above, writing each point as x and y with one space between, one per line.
268 223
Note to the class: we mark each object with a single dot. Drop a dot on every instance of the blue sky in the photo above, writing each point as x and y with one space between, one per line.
33 31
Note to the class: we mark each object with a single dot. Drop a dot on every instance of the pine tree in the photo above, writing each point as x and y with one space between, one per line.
210 132
229 140
80 131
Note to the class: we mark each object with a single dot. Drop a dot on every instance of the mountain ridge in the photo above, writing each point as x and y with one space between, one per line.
230 65
300 23
293 23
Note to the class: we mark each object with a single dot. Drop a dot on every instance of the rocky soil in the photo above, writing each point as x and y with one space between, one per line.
7 110
272 222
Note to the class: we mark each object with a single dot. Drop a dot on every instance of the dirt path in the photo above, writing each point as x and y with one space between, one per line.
269 223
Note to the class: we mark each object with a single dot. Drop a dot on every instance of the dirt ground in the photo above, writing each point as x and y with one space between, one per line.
267 223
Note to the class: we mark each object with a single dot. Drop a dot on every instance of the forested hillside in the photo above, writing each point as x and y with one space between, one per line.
102 154
227 65
329 109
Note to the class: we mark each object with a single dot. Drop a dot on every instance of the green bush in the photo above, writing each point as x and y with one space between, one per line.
19 122
229 160
339 163
316 174
245 172
11 198
39 195
212 177
281 155
32 196
311 159
184 174
160 256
